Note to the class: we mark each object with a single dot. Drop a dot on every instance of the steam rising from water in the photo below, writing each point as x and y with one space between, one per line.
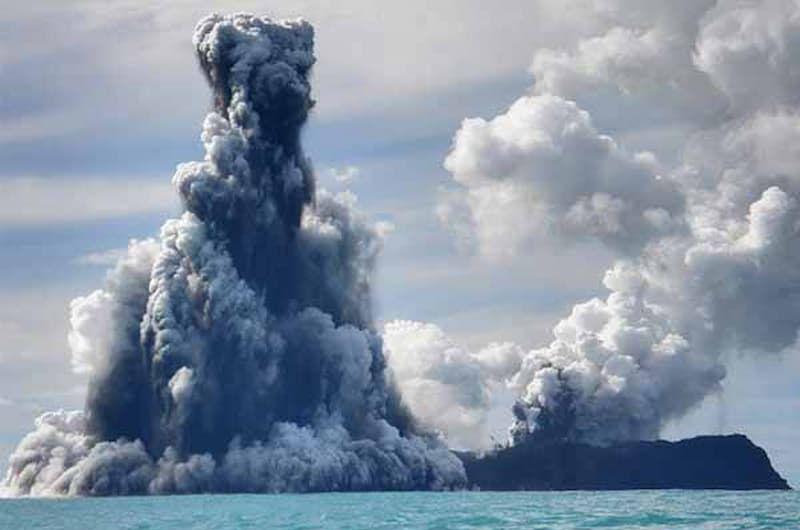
707 248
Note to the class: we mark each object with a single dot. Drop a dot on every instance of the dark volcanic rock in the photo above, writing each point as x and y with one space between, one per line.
705 462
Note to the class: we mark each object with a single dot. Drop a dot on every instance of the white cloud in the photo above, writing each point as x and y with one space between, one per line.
43 201
447 388
367 62
751 52
41 125
542 168
345 175
92 333
103 257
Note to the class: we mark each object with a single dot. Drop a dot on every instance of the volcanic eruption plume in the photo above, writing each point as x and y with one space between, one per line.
702 217
236 352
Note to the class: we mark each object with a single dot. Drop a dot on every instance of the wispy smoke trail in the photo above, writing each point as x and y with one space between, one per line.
237 353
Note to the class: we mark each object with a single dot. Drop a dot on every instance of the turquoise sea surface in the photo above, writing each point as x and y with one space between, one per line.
695 510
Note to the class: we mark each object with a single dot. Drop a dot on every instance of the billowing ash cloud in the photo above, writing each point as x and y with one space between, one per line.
708 247
237 352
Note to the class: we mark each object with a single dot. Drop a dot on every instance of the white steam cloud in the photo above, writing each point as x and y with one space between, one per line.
708 248
543 168
447 388
237 351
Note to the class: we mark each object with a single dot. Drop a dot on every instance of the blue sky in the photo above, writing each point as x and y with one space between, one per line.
100 100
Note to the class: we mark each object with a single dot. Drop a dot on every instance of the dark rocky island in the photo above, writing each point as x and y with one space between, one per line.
706 462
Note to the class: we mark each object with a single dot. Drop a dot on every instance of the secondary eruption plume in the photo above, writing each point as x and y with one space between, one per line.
705 240
237 353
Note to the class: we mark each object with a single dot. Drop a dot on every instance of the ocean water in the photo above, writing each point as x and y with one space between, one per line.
694 510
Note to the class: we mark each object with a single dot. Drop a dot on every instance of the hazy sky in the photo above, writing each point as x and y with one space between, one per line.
100 100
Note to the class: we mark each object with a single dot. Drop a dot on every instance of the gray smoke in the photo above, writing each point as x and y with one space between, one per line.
237 352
